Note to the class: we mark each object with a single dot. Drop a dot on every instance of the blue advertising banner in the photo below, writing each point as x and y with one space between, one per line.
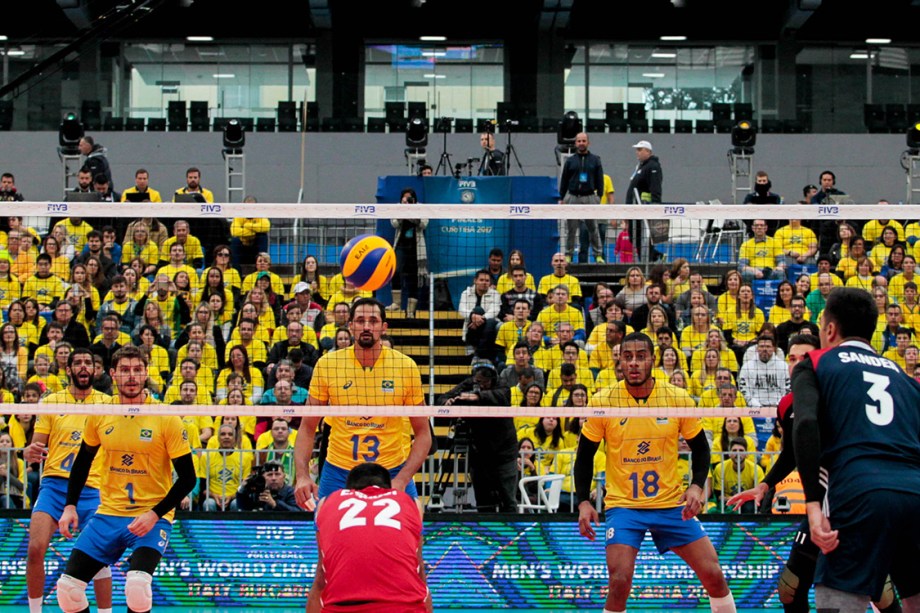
517 564
459 247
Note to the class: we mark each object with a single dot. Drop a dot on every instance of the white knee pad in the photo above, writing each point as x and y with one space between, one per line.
71 594
104 573
138 591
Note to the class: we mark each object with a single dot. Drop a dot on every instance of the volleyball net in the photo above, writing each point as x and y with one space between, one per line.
705 256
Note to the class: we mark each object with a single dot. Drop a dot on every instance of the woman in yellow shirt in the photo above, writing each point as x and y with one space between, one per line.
780 312
725 306
705 378
253 384
80 278
309 274
694 336
16 314
847 265
746 321
679 282
515 258
882 249
60 264
863 277
715 340
657 318
33 314
140 246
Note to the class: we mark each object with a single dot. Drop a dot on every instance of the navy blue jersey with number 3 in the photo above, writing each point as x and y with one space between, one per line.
869 420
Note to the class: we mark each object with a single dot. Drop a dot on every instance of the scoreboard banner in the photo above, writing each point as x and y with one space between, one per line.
471 565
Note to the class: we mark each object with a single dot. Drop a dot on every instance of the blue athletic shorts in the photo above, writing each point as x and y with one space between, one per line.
106 538
333 479
668 528
879 536
53 495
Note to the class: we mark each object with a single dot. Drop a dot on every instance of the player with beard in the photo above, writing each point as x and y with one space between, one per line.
138 495
367 374
56 440
644 490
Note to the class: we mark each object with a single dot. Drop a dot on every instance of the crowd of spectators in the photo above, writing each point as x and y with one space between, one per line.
220 326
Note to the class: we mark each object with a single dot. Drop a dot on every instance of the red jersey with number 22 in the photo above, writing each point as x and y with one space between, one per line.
370 541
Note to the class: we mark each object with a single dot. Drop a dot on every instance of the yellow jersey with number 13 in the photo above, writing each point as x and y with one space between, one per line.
339 379
642 452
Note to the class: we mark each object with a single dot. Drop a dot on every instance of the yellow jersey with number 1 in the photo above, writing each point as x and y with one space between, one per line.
339 379
642 453
139 450
65 433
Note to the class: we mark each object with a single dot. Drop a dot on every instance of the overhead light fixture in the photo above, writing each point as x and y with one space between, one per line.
664 55
433 39
434 53
234 137
569 128
744 137
224 75
653 75
878 41
3 37
69 134
200 39
13 52
431 75
913 137
859 55
673 38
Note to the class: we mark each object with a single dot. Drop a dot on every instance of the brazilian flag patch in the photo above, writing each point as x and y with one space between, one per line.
146 434
387 385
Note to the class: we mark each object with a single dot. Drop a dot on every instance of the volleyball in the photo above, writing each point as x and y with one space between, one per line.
368 262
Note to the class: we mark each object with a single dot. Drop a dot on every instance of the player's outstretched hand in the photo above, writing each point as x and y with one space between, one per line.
756 494
693 502
587 519
35 453
305 491
821 533
143 523
69 521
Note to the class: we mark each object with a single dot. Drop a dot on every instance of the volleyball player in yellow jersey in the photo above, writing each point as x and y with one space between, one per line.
138 493
369 374
643 484
56 440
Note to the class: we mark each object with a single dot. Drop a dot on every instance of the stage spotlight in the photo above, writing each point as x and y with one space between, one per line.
913 137
417 133
69 135
234 137
569 128
744 137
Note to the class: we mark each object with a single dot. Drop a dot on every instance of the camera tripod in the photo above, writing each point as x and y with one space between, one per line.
510 150
443 126
448 492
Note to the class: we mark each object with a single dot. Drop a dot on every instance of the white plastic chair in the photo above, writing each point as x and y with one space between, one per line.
549 489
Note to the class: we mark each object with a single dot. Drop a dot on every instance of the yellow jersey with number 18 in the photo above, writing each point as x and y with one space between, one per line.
65 433
642 451
339 379
139 450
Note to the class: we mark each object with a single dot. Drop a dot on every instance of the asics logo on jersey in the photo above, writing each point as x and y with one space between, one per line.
75 435
127 459
347 385
623 421
643 448
109 429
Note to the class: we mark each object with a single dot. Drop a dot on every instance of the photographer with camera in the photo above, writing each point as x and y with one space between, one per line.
493 452
265 490
493 161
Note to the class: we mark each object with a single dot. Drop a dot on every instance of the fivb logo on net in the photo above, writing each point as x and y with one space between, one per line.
828 210
211 209
675 211
467 189
365 210
57 207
